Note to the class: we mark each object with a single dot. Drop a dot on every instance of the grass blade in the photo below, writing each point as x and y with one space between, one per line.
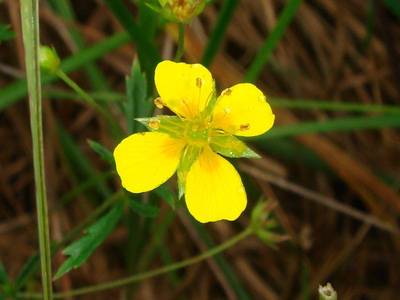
272 40
217 35
148 54
335 125
334 106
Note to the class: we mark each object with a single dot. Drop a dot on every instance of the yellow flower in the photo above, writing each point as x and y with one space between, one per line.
191 142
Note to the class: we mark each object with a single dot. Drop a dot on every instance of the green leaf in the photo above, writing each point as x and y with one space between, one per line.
165 193
27 269
144 209
80 250
231 146
102 151
393 6
3 274
137 104
6 33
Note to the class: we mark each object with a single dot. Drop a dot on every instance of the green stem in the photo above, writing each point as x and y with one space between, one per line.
30 31
141 276
181 42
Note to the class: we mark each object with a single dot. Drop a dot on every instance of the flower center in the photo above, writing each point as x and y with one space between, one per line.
197 132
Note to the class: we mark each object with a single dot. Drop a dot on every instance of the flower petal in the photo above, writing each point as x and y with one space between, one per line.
184 88
214 190
242 110
146 160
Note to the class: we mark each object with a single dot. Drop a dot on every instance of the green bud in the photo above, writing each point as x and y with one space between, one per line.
49 59
182 10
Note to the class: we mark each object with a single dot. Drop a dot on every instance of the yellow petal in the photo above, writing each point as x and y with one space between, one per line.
184 88
243 110
214 190
146 160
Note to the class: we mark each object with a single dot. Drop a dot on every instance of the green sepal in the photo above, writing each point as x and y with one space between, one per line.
230 146
189 156
171 125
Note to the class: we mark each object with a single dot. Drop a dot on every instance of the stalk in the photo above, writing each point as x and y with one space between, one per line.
30 32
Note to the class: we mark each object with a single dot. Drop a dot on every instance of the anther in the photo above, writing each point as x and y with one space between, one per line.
244 127
154 123
227 92
199 82
158 103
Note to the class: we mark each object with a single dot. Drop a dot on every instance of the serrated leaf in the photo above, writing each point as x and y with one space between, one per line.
137 104
144 209
231 146
102 151
80 250
165 193
6 33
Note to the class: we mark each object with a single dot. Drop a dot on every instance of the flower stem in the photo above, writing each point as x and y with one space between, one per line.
30 32
141 276
181 42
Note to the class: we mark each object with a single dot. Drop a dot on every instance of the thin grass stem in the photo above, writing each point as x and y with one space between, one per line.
149 274
30 32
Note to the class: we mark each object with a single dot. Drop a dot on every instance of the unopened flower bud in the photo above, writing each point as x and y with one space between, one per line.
49 59
182 10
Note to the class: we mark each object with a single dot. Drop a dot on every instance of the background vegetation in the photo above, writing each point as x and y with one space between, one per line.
329 168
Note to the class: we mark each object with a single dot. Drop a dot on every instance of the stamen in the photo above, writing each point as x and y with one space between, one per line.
244 127
227 92
199 82
154 124
158 103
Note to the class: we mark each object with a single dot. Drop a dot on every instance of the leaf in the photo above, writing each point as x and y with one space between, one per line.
137 104
80 250
3 274
6 33
27 269
393 6
231 146
144 209
165 193
102 151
